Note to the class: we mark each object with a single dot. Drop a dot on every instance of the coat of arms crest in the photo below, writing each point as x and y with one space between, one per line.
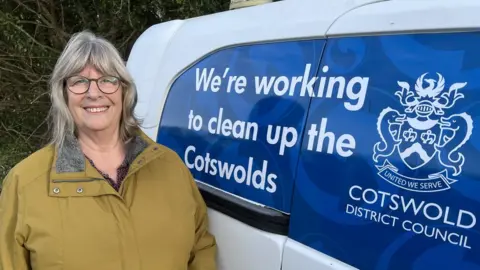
423 133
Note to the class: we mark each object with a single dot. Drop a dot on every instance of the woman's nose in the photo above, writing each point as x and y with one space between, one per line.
93 90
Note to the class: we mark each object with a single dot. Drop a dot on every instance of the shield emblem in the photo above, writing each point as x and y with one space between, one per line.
418 139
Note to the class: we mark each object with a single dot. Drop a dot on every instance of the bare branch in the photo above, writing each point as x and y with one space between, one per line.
9 131
32 134
32 39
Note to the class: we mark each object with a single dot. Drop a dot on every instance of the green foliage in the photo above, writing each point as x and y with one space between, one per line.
32 35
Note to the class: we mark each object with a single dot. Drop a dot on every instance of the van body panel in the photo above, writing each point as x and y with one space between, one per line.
244 247
408 16
144 64
398 154
396 43
298 256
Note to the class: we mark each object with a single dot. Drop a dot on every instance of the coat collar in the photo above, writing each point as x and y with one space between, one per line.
72 175
70 158
70 162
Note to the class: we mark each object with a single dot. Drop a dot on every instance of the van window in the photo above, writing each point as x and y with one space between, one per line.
236 118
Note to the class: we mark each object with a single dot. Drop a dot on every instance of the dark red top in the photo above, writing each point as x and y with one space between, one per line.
122 171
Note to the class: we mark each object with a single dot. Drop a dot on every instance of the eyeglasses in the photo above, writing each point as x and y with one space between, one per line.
80 85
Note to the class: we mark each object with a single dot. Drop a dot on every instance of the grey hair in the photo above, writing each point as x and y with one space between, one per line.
85 48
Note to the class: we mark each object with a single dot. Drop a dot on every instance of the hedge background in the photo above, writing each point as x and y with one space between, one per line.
32 35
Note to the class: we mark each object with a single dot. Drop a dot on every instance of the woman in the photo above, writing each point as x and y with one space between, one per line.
101 195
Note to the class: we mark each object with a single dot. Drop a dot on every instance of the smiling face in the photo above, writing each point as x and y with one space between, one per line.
94 110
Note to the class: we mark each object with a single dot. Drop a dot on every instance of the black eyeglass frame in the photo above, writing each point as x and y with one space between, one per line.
90 83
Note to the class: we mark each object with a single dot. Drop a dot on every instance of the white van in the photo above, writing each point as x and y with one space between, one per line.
325 134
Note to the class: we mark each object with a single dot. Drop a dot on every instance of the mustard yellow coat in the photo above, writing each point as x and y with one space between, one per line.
58 212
